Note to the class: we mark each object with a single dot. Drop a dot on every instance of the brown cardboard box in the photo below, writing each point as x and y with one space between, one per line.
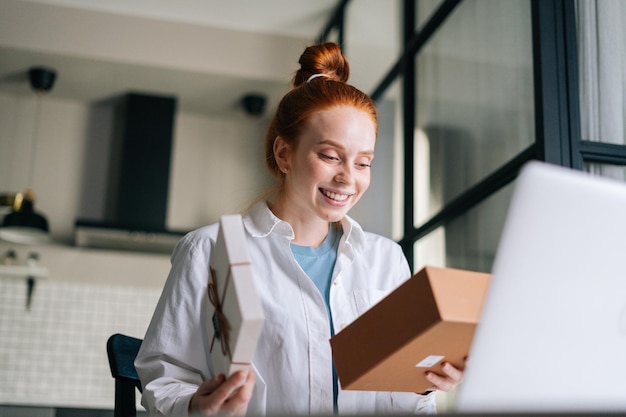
429 319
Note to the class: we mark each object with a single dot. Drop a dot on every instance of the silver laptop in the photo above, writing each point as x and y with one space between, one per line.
552 336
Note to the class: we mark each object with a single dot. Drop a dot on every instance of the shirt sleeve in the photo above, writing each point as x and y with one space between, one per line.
172 362
427 404
404 403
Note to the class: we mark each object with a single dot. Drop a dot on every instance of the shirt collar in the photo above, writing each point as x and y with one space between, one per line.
261 222
353 234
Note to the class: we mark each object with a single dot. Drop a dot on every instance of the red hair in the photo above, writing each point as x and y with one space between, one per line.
311 95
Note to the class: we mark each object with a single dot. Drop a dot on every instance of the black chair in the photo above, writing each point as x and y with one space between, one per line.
122 350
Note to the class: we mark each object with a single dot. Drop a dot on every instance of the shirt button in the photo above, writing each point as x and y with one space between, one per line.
335 282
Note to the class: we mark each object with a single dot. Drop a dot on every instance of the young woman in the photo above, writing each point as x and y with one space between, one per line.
317 270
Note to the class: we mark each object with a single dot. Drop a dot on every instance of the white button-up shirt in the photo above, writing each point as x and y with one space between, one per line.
293 360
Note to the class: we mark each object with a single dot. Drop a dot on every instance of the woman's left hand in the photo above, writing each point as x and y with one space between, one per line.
451 378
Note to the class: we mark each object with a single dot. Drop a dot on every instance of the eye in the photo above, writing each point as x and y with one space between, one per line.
363 163
327 157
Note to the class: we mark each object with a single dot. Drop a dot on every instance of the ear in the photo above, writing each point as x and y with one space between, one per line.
282 152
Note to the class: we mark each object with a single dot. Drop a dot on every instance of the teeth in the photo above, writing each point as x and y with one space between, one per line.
335 196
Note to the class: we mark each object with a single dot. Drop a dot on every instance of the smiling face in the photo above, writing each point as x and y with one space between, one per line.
329 169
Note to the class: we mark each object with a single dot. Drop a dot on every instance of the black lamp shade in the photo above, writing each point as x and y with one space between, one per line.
25 226
26 217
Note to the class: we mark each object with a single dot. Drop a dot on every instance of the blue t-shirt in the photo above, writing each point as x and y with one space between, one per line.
319 263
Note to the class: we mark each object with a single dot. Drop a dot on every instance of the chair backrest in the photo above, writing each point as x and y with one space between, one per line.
122 350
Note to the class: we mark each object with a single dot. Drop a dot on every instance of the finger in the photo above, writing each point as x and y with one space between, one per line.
245 392
455 374
238 404
201 401
226 389
210 385
439 382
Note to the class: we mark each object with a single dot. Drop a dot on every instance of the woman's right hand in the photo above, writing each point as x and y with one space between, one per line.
221 396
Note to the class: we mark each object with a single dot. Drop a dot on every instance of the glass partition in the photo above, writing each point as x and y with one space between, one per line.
470 241
602 70
475 104
617 172
425 9
373 40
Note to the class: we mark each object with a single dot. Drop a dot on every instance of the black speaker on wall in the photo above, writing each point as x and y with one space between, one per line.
140 162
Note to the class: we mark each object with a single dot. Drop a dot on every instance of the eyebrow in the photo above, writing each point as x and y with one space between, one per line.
340 146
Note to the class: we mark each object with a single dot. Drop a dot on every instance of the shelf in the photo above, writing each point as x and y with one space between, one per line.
23 271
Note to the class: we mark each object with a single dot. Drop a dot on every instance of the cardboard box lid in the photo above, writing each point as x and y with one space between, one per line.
239 318
429 319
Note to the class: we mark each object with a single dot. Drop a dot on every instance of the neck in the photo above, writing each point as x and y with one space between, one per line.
304 236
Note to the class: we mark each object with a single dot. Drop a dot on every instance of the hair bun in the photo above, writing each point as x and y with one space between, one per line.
324 59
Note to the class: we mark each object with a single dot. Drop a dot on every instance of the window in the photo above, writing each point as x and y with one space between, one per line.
475 108
602 85
483 86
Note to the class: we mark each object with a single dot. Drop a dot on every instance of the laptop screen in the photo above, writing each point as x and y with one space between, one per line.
552 335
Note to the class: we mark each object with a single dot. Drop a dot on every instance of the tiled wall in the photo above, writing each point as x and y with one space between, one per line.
55 353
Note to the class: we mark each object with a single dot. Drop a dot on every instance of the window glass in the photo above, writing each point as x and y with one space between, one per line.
333 35
469 241
475 108
617 172
602 70
373 40
425 9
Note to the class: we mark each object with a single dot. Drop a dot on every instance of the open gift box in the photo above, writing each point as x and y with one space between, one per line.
236 313
427 320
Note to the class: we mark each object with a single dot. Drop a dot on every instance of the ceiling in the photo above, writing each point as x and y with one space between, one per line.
300 18
89 78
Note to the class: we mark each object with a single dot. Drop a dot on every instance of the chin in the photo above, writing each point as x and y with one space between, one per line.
335 217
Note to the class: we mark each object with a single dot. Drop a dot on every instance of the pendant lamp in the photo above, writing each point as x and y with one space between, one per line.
23 224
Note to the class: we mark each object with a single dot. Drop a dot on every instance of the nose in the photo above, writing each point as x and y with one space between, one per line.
345 174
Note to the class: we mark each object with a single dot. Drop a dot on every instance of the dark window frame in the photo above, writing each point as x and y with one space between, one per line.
556 99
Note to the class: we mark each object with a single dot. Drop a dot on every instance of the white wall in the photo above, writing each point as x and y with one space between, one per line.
217 163
217 168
